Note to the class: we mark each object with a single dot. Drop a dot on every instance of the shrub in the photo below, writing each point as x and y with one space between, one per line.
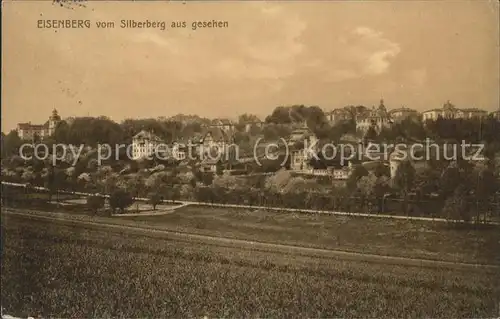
120 199
154 199
95 202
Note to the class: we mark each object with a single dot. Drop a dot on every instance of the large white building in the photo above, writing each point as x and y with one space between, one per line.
301 141
337 116
496 114
403 113
378 118
145 144
28 131
449 111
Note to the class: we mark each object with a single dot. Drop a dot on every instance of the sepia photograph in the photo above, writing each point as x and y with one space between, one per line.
250 159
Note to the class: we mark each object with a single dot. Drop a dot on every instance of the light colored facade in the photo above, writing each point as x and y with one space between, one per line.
250 125
209 165
28 131
301 156
341 174
496 114
223 124
145 144
217 143
419 162
302 134
334 173
179 151
378 118
402 113
449 111
337 116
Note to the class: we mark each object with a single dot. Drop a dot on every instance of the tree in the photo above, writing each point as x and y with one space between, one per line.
248 118
300 185
274 131
10 144
456 207
54 179
95 202
219 171
154 199
120 199
106 179
135 186
427 182
483 184
280 115
371 134
373 187
450 180
382 170
85 181
227 182
404 180
207 178
163 183
90 131
358 172
278 181
28 176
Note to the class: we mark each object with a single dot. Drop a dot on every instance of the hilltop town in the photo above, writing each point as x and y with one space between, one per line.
244 144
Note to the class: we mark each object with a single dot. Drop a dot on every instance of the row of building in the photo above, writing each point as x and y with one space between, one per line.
377 117
219 136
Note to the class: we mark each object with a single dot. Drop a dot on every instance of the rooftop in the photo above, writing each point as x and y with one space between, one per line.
145 135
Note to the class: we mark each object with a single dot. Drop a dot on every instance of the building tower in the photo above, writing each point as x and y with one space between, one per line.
54 119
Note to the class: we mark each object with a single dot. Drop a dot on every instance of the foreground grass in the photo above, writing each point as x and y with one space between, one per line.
475 244
60 271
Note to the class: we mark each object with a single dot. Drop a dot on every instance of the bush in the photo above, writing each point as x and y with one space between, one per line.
154 199
95 202
120 199
456 208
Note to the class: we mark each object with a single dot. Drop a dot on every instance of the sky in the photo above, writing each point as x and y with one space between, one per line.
417 54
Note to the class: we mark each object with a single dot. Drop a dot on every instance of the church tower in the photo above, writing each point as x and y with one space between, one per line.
54 119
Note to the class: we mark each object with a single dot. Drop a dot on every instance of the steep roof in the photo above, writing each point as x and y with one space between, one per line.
402 109
55 116
433 110
473 109
337 112
217 134
453 109
147 136
29 126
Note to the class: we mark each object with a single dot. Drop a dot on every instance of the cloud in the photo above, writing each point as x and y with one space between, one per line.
377 50
364 31
355 53
264 45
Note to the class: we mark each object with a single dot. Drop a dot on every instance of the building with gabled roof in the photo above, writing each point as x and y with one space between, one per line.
496 114
28 131
145 144
378 118
402 113
337 115
449 111
224 124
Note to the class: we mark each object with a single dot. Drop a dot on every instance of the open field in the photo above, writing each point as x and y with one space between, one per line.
67 271
479 244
